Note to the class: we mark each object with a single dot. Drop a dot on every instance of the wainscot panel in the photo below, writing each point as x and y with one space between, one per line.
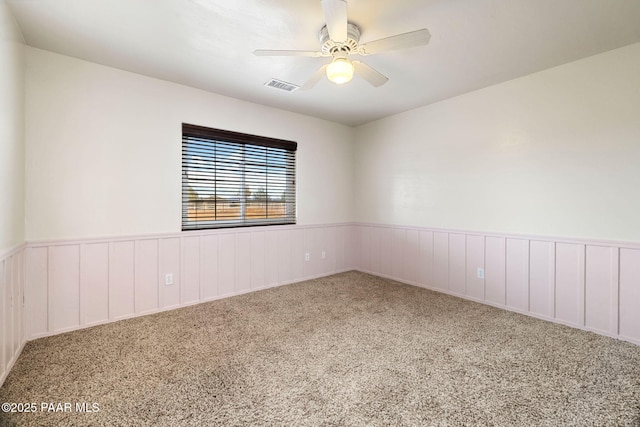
12 304
77 284
590 285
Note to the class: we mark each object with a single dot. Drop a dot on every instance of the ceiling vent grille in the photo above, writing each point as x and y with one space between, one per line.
279 84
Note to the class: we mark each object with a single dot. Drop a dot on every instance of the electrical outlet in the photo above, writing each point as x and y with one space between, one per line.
307 257
168 279
324 255
480 273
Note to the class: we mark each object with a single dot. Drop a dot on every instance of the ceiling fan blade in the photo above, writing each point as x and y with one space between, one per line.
317 76
369 74
401 41
335 15
266 52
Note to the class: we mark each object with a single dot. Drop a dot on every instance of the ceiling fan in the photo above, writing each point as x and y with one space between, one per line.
339 39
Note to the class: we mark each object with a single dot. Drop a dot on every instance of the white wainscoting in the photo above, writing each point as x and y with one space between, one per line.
591 285
12 283
76 284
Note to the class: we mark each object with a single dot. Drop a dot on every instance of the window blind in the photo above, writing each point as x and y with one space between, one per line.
232 179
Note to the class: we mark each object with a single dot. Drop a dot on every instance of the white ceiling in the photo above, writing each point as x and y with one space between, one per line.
208 44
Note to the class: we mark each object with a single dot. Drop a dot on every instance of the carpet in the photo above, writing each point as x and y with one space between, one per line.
345 350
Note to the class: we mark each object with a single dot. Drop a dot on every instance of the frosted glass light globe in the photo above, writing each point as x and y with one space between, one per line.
340 71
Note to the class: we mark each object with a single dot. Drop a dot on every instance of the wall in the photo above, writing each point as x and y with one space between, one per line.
553 153
11 131
542 169
11 191
104 191
104 150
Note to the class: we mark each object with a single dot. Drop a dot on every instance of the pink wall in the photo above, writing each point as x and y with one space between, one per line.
590 285
12 337
76 284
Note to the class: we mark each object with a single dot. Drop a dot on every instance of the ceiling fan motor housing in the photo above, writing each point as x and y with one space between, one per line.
329 47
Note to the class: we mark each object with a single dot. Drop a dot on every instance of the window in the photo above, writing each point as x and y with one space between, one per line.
232 179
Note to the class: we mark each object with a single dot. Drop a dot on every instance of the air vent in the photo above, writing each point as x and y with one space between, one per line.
279 84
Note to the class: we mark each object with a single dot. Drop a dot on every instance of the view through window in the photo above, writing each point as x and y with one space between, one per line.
231 179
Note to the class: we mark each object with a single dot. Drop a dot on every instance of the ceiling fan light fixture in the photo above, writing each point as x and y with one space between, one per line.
340 71
340 38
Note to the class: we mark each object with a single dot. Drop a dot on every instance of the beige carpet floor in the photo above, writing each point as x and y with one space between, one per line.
345 350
